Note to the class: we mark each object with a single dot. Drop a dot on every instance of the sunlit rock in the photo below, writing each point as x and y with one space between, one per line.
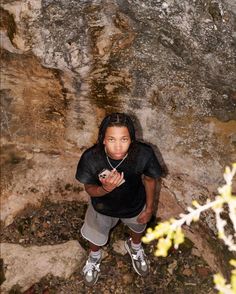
25 266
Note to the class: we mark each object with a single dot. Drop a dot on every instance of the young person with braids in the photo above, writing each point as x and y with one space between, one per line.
126 192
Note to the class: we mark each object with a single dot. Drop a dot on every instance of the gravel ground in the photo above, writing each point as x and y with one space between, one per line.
180 272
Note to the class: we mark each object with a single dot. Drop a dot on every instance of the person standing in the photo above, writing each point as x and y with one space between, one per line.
120 175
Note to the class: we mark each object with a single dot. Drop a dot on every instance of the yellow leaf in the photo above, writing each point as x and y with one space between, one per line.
195 203
233 262
163 246
178 237
219 280
233 283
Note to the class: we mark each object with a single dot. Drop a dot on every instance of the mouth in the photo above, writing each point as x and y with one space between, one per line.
118 156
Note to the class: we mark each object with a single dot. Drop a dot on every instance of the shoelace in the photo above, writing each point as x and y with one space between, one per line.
140 255
90 266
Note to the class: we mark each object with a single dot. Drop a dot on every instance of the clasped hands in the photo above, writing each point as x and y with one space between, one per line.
113 180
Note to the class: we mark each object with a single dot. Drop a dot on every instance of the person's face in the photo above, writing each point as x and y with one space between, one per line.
117 141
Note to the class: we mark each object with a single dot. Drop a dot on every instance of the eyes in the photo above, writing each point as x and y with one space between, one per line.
123 140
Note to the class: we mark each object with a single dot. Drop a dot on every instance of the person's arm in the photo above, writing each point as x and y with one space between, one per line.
108 184
150 188
95 190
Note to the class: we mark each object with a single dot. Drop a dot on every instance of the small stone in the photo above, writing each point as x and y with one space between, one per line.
196 252
203 271
40 234
171 267
119 247
112 288
164 5
104 254
36 150
120 264
29 156
33 228
45 225
187 272
190 284
127 278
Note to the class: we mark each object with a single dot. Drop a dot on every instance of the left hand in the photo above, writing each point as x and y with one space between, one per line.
144 216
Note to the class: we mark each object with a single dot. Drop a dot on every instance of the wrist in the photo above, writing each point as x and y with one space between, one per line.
149 209
107 191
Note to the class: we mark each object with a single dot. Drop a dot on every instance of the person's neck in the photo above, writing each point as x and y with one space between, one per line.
110 156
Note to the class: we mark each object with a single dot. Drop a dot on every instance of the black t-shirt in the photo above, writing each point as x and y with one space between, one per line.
128 199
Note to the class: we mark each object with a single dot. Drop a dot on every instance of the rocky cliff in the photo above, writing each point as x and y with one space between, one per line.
170 64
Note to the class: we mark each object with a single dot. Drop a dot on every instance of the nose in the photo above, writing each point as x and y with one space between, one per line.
118 146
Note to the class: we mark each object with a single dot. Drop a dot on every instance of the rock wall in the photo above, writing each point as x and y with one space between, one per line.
65 64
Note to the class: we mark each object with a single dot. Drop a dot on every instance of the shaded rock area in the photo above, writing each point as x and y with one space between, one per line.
183 271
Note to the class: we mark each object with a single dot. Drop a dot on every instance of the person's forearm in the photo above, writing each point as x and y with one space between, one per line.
95 190
150 188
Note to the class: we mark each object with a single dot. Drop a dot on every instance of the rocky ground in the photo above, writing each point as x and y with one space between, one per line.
182 272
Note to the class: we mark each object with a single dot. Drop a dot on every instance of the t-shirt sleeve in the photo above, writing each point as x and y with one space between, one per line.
84 172
152 168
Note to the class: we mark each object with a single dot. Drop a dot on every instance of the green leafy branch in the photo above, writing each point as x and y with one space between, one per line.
170 233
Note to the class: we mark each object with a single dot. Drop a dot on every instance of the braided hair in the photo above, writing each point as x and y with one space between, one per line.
117 119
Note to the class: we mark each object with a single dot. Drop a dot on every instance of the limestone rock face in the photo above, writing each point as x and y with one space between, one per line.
27 266
65 64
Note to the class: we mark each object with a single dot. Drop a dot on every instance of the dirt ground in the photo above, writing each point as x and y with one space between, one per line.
181 272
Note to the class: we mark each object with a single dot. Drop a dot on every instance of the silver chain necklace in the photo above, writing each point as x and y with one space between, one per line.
115 167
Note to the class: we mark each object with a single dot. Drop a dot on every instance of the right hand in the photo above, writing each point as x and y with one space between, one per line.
113 180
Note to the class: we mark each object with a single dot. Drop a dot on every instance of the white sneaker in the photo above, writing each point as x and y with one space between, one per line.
91 271
139 259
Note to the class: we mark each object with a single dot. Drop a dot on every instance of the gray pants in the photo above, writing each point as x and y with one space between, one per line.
97 226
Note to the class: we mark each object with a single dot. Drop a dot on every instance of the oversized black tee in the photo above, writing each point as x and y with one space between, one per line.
128 199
